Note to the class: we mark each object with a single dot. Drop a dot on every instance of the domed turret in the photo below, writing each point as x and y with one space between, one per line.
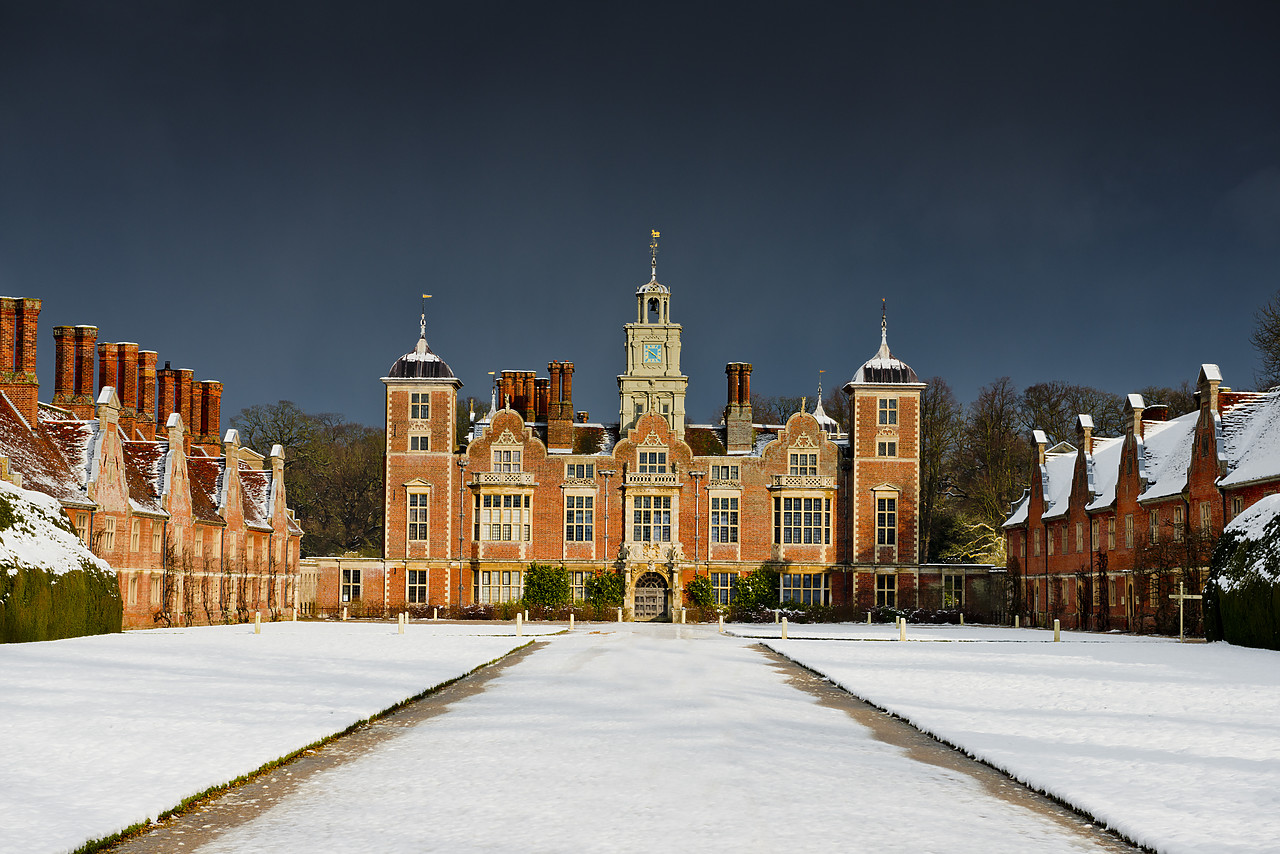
883 368
420 363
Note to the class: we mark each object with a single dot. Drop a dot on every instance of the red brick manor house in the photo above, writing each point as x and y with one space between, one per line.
652 497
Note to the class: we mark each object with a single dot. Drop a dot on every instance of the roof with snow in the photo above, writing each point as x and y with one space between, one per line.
1166 455
1104 469
40 460
1056 476
420 363
255 495
1251 439
144 473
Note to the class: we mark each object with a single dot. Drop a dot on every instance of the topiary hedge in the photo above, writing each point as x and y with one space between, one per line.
51 586
1242 597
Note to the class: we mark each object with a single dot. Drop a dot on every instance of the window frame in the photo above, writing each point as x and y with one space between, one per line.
419 406
579 517
886 590
350 589
723 527
417 515
794 523
416 586
887 411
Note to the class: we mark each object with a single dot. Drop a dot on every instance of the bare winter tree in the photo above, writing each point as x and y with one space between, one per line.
941 424
1180 400
1053 407
1266 340
991 468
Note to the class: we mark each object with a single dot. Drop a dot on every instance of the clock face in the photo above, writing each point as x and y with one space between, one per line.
652 354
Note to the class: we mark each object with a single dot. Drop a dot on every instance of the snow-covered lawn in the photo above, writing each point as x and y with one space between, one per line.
639 738
99 733
1177 746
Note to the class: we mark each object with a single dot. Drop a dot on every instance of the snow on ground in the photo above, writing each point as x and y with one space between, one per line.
636 738
1176 746
102 732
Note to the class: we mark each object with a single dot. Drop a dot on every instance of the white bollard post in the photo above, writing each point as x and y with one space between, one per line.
682 616
526 615
435 613
902 628
722 624
293 614
619 615
776 613
519 625
784 628
1057 631
962 618
257 622
344 613
400 621
868 618
570 621
1015 621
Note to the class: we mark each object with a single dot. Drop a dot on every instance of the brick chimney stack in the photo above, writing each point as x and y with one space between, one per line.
146 423
739 436
528 391
64 370
127 391
19 323
211 414
166 397
107 367
182 394
542 395
560 415
82 402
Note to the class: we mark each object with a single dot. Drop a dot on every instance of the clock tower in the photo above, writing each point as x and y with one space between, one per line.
653 382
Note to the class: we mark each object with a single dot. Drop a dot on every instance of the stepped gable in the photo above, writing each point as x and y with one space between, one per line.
40 459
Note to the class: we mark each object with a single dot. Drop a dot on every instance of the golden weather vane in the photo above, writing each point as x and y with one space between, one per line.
422 320
653 251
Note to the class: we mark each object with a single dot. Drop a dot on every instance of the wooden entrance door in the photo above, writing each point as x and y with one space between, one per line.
651 597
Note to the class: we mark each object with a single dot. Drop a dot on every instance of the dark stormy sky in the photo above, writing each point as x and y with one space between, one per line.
262 191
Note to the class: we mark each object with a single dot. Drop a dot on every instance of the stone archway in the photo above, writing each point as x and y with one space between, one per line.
651 597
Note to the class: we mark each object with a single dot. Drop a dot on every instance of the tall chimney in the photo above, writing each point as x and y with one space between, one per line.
127 377
542 394
211 412
8 333
82 402
107 367
507 390
166 397
560 417
19 323
64 371
182 395
530 400
739 435
146 422
28 326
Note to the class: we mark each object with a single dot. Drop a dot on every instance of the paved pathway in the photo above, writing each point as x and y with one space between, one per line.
629 739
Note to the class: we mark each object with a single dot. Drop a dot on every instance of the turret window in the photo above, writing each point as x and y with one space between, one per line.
417 516
419 443
420 406
888 410
886 449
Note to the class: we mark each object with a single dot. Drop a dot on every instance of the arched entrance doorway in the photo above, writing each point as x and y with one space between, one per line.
651 597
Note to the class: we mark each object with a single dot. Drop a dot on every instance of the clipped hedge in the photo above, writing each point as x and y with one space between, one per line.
36 605
1242 597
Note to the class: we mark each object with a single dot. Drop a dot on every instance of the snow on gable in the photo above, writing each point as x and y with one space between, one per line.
1166 450
144 471
1058 472
1019 514
1106 470
255 495
1251 440
203 474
